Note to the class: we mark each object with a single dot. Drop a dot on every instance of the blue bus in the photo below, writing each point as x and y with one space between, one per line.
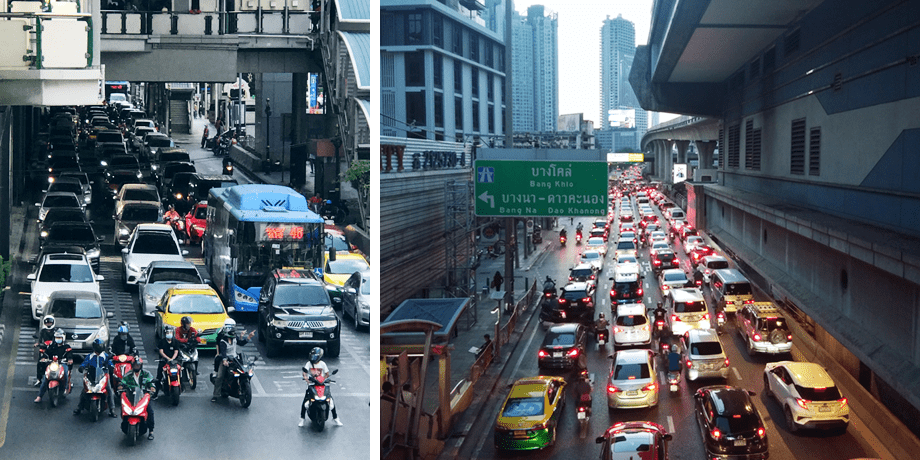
253 229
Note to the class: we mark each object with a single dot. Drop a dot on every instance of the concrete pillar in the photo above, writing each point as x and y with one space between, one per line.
299 85
660 160
706 150
682 147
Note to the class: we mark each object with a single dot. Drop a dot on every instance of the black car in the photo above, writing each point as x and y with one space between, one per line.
71 234
581 297
60 215
176 193
163 177
295 309
563 347
115 179
729 423
627 288
662 260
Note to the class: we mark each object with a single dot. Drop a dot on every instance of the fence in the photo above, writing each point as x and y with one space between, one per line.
46 41
504 334
283 22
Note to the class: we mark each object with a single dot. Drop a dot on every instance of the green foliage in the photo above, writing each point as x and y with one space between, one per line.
5 267
359 174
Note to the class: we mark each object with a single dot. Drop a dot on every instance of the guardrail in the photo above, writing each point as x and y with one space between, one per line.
271 22
38 40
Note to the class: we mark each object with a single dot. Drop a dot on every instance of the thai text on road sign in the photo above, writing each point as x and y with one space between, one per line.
540 188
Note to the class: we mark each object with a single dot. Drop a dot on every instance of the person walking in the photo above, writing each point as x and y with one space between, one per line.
497 281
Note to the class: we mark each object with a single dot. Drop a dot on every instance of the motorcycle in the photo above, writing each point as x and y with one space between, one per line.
673 372
237 382
583 409
170 385
663 347
562 240
188 357
659 324
720 322
228 166
178 226
319 402
54 373
577 237
134 414
95 387
335 211
121 369
603 336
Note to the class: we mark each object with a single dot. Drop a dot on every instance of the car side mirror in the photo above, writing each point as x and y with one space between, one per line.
100 278
185 252
206 281
109 314
38 205
31 277
141 279
750 393
160 308
100 239
124 250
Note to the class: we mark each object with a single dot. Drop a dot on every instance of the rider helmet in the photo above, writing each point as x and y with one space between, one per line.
316 354
600 316
48 322
168 332
123 330
137 365
59 335
186 321
229 328
98 346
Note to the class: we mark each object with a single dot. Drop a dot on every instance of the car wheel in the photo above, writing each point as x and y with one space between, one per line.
790 423
272 348
334 348
766 387
354 315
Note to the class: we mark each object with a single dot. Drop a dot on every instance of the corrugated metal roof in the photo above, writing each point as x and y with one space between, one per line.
442 311
353 10
365 107
359 49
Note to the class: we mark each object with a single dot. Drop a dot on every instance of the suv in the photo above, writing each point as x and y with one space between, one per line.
688 310
295 309
626 288
730 289
149 242
807 394
764 329
703 355
60 272
730 423
578 299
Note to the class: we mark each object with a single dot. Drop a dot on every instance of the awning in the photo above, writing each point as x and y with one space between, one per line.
365 107
353 10
442 311
359 50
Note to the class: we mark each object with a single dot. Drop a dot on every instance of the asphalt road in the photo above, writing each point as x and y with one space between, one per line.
674 411
196 427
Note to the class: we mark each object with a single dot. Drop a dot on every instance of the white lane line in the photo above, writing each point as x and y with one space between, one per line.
737 374
670 425
257 386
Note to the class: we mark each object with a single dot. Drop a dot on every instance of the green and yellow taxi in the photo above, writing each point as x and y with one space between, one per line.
198 301
339 270
530 414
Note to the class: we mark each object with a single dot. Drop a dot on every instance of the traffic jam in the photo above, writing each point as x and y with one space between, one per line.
152 276
656 323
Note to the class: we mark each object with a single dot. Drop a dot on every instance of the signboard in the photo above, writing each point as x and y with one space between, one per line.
513 188
680 173
569 122
625 157
315 95
621 118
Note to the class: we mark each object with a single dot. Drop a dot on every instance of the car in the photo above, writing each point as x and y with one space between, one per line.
73 185
688 310
658 237
82 317
357 299
634 440
594 258
196 222
583 273
600 222
137 137
136 192
198 301
626 288
691 243
200 184
122 163
626 264
629 235
648 219
703 355
599 233
53 200
729 423
631 326
75 233
563 347
85 182
597 244
627 227
129 214
626 216
807 394
675 228
625 246
176 193
295 309
115 180
336 271
60 272
152 142
168 155
60 215
633 380
161 275
763 329
697 253
672 278
108 137
578 299
663 259
530 415
710 263
163 177
148 242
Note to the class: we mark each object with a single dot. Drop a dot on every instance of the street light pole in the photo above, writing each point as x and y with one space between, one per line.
268 137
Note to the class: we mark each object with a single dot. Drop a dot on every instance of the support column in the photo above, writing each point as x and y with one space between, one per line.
659 149
706 150
682 147
444 391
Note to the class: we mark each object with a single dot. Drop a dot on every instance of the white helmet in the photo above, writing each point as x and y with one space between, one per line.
48 322
229 326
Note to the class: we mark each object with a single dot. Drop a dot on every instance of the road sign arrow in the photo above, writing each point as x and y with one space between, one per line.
487 198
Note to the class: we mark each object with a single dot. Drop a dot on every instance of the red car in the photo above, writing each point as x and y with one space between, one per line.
195 222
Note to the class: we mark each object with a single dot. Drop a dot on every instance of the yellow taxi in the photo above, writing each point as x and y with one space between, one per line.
339 270
530 414
198 301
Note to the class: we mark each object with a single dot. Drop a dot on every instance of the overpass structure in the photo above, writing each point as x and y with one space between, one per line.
815 108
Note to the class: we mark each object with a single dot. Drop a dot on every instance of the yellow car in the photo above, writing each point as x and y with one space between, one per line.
530 414
339 270
198 301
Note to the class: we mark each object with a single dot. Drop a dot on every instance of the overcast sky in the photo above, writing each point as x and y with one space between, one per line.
579 46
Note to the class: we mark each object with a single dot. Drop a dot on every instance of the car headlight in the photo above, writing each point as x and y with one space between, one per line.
40 299
329 323
139 175
364 306
150 298
133 268
44 233
86 198
103 333
279 323
123 231
153 167
93 253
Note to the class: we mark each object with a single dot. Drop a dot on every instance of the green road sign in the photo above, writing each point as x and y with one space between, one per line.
540 188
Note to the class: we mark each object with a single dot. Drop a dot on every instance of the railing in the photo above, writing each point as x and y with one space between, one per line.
485 358
260 21
46 41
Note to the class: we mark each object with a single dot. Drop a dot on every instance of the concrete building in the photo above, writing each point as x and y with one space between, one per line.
618 47
535 82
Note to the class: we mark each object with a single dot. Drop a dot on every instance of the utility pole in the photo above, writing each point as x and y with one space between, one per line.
509 135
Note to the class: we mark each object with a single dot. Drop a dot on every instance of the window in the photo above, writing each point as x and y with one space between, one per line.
491 118
415 108
721 147
437 31
475 116
474 47
458 113
791 42
751 146
415 68
500 64
458 77
797 151
769 60
487 54
458 39
475 82
490 89
734 139
414 28
437 71
438 110
814 152
755 69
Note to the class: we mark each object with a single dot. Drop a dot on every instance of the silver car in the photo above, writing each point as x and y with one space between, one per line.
58 200
81 315
633 380
161 275
356 296
703 355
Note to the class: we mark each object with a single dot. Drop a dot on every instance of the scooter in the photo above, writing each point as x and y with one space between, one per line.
673 372
602 337
562 240
577 237
170 385
228 166
54 373
583 409
720 322
122 366
95 387
134 414
178 226
188 357
319 401
237 382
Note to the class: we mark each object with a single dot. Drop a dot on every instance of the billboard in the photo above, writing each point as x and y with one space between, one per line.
315 96
680 173
625 157
621 118
569 122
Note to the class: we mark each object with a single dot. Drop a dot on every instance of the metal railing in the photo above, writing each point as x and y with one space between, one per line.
39 40
260 21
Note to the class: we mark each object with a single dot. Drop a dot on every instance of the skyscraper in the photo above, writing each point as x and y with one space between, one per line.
618 47
535 79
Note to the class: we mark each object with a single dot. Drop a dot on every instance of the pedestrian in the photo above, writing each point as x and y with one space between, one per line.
485 345
204 137
316 201
497 281
217 125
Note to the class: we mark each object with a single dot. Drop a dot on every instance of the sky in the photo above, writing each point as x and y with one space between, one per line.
579 23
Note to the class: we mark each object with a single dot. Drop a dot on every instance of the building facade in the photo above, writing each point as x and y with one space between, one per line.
535 80
618 48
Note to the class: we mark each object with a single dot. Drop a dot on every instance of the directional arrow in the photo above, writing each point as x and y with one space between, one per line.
487 198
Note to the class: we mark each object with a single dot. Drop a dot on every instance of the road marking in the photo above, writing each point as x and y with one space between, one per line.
670 425
7 396
257 386
737 374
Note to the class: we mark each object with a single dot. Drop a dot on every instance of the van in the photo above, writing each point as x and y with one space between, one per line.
676 214
709 264
687 309
730 289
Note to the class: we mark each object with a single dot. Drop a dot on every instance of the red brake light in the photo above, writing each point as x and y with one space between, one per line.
674 318
842 401
650 387
639 291
789 337
716 434
617 330
726 362
613 292
665 287
542 354
573 353
612 389
689 363
761 432
757 337
656 262
706 317
802 403
749 301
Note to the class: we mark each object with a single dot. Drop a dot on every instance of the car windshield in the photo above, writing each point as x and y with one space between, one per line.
337 242
589 255
64 215
631 371
715 265
124 162
690 307
596 242
75 308
665 256
66 273
346 266
575 294
175 275
705 348
769 324
73 187
68 232
675 276
195 304
154 243
523 407
737 423
61 201
201 212
627 260
818 394
140 214
159 141
173 156
631 320
738 289
626 246
559 339
582 273
626 286
296 294
141 194
633 442
108 137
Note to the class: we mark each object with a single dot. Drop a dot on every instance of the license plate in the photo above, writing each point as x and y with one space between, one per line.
581 416
632 393
740 442
737 302
824 409
306 335
557 354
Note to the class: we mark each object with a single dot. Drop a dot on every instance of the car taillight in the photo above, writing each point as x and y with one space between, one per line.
617 330
592 276
761 432
645 328
613 389
802 403
570 279
706 317
542 354
656 262
613 293
689 363
639 291
715 434
726 362
650 387
757 337
842 401
573 353
749 301
789 337
586 299
674 318
665 287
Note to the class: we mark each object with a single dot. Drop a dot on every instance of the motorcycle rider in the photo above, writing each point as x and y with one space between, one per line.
562 233
139 379
123 343
63 352
46 334
99 361
316 367
168 350
698 275
185 332
171 214
659 314
601 324
226 349
583 389
549 286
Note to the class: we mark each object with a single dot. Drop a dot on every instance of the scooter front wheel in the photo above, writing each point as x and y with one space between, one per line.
132 435
245 393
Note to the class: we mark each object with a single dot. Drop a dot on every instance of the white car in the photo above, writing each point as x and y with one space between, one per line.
631 326
594 258
808 395
61 272
149 242
659 246
626 264
703 355
658 236
597 244
136 192
626 247
691 243
672 278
